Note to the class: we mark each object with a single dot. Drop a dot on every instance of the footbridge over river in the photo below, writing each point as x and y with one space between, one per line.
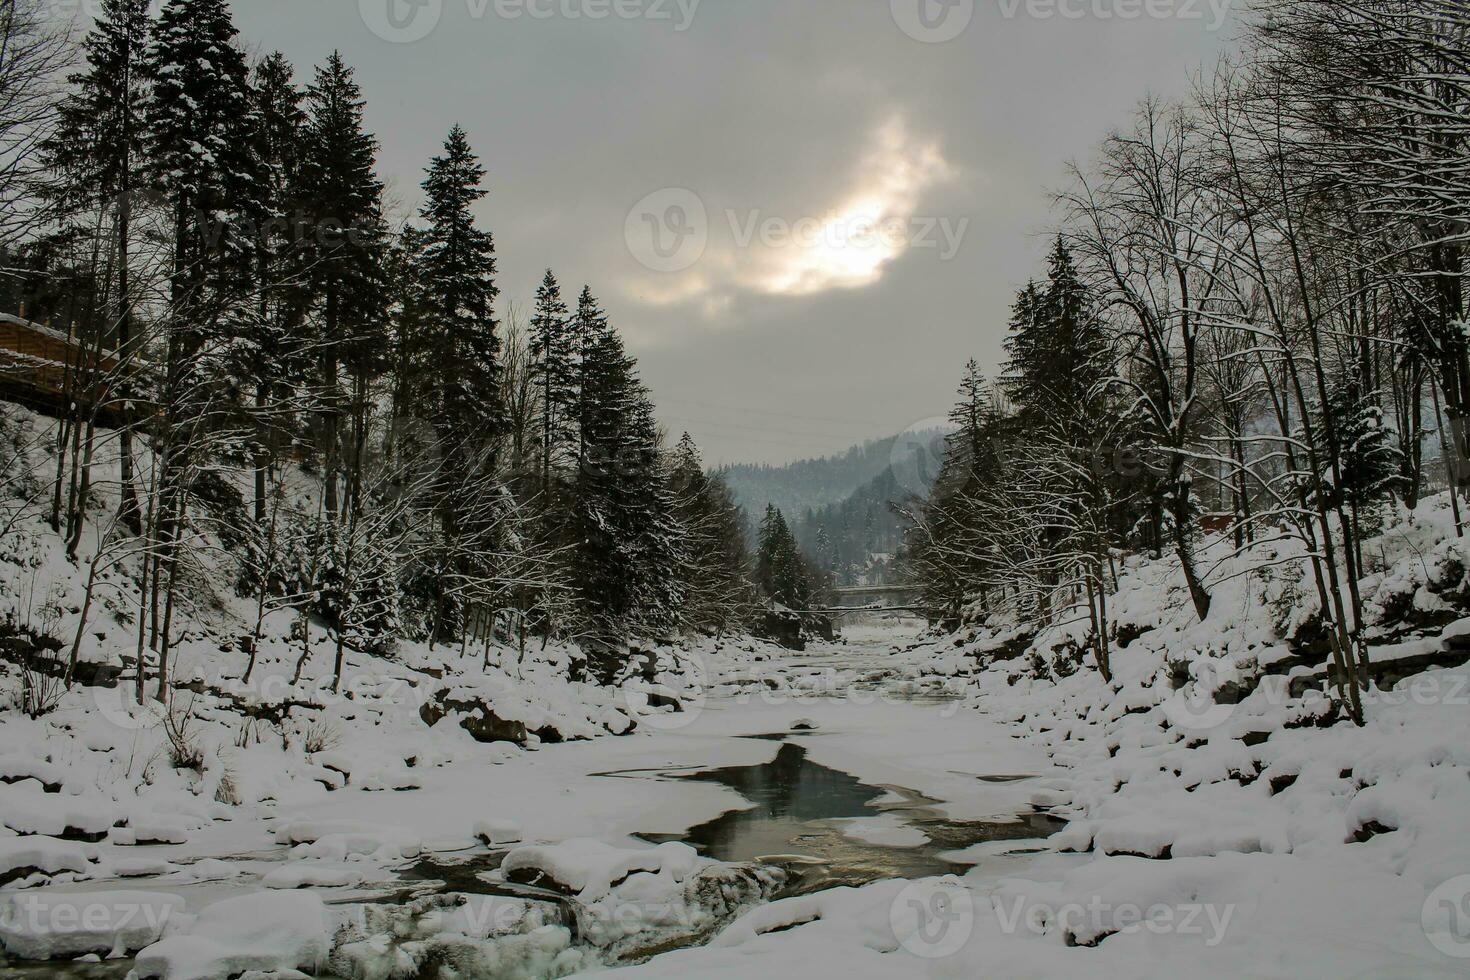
858 603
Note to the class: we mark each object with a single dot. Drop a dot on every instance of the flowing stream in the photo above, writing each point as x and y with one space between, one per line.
797 816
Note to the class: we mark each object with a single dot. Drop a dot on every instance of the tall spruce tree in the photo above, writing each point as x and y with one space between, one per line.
405 323
553 360
1057 349
274 363
602 568
625 559
201 117
456 277
717 595
589 324
201 122
971 416
652 525
344 247
457 373
781 569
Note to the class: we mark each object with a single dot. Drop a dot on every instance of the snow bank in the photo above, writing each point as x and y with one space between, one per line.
19 855
263 931
44 925
338 840
590 868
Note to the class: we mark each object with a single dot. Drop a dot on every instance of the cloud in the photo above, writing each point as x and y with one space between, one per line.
850 245
848 241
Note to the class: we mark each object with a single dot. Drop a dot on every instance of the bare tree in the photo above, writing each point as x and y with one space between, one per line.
33 53
1137 222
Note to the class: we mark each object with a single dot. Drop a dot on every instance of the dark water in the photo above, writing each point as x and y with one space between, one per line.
796 801
107 970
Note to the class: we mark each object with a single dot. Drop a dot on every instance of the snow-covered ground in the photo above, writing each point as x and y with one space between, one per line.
1223 820
350 844
1257 884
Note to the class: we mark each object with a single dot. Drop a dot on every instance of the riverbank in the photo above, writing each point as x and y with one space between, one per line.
1240 844
859 815
916 775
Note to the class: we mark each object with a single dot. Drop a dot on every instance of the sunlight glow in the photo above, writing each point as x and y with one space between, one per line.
846 245
872 227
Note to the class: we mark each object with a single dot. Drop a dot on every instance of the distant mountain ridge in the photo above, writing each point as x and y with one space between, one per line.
808 484
839 506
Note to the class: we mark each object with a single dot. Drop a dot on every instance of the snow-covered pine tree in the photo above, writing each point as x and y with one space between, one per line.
717 595
625 561
1057 351
781 569
405 326
456 352
201 126
1370 465
457 278
274 365
343 244
553 362
589 324
767 546
201 118
97 149
651 522
971 416
602 533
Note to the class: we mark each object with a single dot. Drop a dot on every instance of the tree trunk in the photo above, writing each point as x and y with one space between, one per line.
1184 548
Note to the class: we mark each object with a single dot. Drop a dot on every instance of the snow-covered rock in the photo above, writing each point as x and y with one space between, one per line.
23 855
46 925
496 833
262 931
590 868
312 874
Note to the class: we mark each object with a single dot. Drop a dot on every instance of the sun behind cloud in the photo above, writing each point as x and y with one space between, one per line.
870 228
845 243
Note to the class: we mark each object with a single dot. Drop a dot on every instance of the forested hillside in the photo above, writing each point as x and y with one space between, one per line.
259 354
857 541
810 483
853 531
1250 323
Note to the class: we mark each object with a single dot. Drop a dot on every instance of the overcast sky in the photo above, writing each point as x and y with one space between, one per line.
842 211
